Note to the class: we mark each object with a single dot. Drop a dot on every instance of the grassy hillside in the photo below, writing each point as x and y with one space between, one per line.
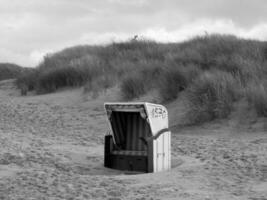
213 72
9 71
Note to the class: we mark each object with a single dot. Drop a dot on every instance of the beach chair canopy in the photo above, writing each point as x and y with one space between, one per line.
133 123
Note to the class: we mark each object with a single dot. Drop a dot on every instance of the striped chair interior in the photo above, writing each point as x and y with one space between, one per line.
128 129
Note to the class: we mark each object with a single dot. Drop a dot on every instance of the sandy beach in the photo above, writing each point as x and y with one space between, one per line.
51 147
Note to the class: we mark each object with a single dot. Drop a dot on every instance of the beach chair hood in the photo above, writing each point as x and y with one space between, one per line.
155 115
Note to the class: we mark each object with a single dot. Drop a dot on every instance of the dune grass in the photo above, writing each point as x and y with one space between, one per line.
214 71
211 96
10 71
256 94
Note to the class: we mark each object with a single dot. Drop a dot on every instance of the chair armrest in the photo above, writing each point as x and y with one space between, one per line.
154 137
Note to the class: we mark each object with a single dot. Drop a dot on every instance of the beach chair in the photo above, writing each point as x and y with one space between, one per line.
139 139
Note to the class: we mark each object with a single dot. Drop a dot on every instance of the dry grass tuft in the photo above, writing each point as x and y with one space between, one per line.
212 96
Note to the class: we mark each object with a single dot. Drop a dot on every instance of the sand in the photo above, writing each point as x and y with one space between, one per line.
51 147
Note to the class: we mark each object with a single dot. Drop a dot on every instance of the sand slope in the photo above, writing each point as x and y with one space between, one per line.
51 147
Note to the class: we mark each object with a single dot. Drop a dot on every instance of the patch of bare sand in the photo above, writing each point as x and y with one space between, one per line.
51 147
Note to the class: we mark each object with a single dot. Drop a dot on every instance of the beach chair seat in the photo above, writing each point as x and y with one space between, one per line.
129 153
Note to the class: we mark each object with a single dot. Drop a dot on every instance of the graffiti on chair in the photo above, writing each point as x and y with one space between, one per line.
159 112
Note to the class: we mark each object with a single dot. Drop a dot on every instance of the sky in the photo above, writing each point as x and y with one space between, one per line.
29 29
